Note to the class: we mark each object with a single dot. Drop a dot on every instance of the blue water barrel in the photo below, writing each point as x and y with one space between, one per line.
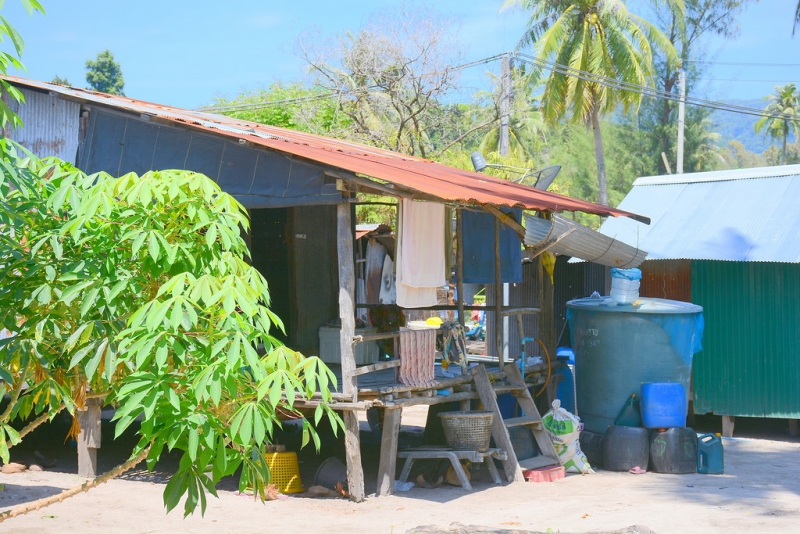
617 348
663 405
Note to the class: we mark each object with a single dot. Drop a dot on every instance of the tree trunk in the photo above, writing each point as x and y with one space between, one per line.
602 183
783 154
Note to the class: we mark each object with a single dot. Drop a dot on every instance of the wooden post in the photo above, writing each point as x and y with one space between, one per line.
498 295
460 267
89 438
352 441
546 320
388 463
727 425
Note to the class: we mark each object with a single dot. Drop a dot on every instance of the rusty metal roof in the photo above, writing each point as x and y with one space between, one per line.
405 172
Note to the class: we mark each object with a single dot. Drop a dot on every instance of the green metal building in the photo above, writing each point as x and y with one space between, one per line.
730 242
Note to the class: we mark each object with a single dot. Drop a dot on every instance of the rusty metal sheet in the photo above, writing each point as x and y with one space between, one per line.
406 172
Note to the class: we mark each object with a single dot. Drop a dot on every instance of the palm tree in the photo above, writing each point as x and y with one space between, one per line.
796 18
596 45
784 101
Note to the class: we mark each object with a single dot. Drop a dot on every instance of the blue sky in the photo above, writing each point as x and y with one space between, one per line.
185 53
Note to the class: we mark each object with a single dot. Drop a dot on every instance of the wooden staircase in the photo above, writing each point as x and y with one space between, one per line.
531 419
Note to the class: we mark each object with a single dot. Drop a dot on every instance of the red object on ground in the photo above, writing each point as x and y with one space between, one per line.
544 474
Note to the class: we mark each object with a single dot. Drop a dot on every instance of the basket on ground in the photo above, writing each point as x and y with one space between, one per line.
284 471
467 431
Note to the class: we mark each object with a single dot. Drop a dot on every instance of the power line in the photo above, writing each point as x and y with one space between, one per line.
735 64
649 91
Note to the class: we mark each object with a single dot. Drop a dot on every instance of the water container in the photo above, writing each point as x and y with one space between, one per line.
592 447
625 285
710 455
673 451
565 391
625 448
617 348
663 405
629 415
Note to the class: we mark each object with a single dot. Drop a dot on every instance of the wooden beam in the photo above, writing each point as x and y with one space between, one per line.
352 441
460 266
498 295
389 439
727 425
376 367
89 438
506 219
381 189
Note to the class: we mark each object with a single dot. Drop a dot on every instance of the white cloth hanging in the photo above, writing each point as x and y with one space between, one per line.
420 253
388 294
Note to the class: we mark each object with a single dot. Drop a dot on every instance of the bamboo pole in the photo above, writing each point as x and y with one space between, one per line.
460 266
498 297
86 486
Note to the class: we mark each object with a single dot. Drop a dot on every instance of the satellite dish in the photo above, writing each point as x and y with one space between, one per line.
546 177
478 161
540 179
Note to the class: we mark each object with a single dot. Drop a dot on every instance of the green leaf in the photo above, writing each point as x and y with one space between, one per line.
194 438
153 247
175 489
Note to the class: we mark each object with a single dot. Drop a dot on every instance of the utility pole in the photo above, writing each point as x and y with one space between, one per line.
505 105
681 118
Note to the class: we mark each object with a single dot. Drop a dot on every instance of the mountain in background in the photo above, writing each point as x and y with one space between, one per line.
740 126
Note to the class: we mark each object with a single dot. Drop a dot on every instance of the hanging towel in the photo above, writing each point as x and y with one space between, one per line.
374 270
388 293
420 253
417 353
478 238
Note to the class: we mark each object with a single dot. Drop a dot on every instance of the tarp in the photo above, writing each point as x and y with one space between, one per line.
256 177
478 236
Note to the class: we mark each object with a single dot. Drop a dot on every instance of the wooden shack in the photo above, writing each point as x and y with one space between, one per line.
300 190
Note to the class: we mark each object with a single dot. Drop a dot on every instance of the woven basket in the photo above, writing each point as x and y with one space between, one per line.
467 431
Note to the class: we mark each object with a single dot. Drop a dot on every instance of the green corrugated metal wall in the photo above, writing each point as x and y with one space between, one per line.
750 362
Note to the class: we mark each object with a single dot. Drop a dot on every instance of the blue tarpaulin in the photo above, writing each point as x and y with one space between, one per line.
258 178
478 236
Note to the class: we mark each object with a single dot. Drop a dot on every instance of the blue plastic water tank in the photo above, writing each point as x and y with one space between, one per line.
618 348
663 405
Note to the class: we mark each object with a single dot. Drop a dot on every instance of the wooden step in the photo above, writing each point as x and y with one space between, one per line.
537 461
507 389
533 422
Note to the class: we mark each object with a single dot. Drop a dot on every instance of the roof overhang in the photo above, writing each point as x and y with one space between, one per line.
401 174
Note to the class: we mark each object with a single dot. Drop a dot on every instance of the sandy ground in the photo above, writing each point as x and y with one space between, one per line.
759 492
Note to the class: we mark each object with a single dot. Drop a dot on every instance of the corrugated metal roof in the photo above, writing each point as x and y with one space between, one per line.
408 172
573 239
50 127
739 215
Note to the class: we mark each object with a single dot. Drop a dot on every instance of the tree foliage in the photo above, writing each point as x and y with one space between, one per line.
7 60
785 101
603 39
389 79
136 289
104 74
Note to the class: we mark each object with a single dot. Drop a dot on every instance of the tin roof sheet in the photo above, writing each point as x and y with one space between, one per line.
410 173
738 215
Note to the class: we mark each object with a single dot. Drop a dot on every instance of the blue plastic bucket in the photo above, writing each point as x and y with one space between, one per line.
663 405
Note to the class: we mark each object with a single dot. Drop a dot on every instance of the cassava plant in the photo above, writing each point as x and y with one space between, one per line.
136 289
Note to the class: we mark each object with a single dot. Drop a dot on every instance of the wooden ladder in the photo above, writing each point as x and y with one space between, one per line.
531 419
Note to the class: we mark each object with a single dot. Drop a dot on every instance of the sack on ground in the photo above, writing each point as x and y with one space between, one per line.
564 429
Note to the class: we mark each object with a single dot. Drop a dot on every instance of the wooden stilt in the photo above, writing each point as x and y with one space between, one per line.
352 441
89 438
727 425
460 267
388 463
792 428
498 295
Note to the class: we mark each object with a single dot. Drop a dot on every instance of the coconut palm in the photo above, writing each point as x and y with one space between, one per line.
785 101
596 44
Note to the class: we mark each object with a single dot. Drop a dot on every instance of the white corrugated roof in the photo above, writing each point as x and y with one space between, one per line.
738 215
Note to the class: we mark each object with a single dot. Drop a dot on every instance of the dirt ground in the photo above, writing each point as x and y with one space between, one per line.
759 492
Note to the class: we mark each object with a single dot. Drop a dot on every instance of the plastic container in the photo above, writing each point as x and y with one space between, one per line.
626 447
625 285
523 442
592 445
284 471
617 348
629 415
663 405
710 455
673 451
565 392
